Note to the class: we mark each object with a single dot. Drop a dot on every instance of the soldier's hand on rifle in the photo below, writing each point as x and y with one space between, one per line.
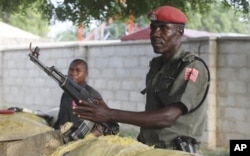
97 112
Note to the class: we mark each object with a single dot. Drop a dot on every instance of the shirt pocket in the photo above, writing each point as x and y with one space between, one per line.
164 84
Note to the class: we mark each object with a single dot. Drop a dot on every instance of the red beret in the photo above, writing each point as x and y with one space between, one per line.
168 14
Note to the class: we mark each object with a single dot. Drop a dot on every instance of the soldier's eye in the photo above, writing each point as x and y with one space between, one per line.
163 28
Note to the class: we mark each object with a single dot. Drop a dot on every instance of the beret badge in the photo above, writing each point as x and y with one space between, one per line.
152 16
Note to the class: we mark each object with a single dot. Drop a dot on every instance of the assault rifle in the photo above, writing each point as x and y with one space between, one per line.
76 92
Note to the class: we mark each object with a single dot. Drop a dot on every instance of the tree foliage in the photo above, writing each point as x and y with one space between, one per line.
79 11
219 20
25 17
32 22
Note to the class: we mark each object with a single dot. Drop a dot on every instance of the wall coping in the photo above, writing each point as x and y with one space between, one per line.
47 45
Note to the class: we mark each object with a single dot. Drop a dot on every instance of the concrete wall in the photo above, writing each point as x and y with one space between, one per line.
233 89
117 71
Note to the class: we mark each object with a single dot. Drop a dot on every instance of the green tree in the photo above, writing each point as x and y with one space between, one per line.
85 10
216 21
219 20
31 22
30 19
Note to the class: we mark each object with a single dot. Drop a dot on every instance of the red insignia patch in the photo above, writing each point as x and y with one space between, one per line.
191 74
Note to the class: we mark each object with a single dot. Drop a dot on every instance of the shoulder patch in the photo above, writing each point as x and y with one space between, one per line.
191 74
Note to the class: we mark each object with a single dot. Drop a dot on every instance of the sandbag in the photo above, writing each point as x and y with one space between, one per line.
112 146
102 146
21 125
43 144
29 135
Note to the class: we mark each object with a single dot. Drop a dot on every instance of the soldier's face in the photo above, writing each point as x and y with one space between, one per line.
77 72
164 37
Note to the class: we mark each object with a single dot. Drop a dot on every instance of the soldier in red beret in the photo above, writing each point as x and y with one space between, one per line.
176 86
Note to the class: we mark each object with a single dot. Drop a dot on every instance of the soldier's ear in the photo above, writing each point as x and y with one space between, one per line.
181 31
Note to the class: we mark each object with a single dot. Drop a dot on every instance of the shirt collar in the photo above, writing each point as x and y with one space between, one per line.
177 55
